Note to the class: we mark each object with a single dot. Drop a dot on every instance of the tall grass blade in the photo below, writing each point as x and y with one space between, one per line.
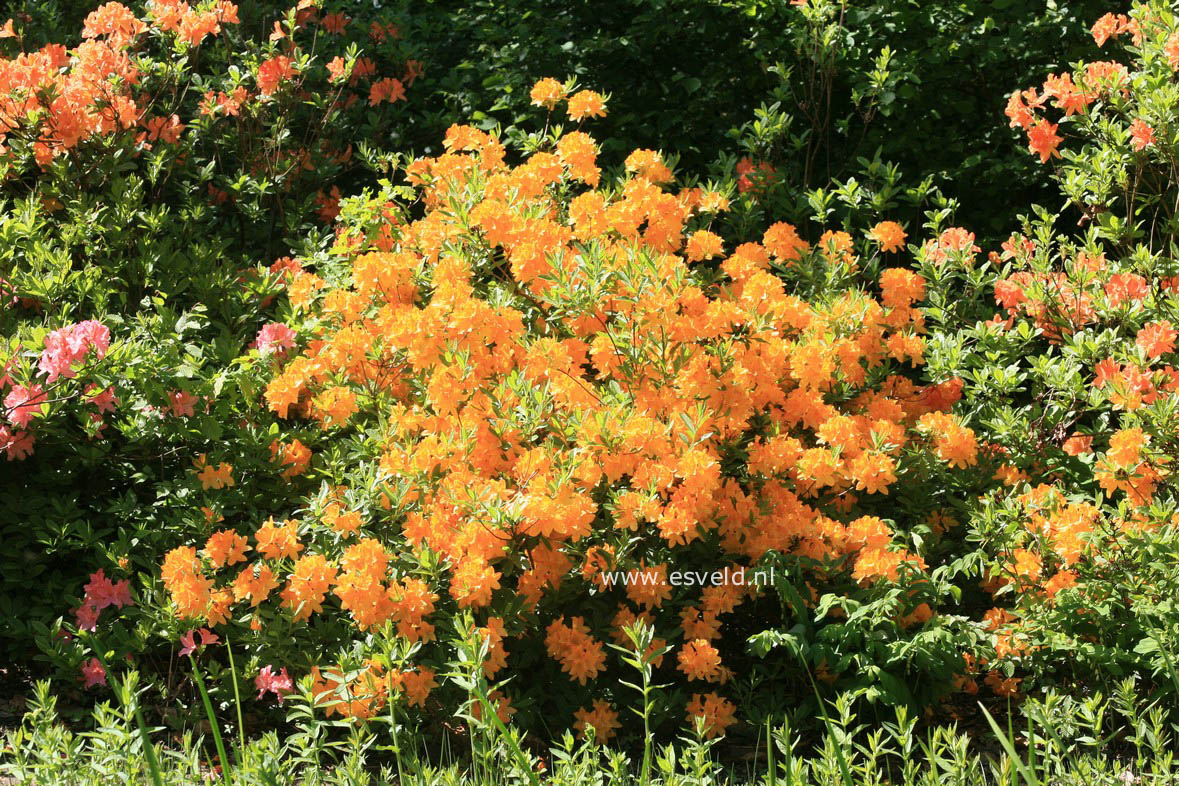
771 774
226 767
237 700
1009 746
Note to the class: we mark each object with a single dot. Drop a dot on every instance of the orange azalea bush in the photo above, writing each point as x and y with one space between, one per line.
558 402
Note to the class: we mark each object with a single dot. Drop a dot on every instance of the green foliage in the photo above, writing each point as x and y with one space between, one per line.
1057 740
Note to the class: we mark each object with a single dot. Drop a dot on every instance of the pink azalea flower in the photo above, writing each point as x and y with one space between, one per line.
208 638
99 590
6 288
69 345
181 403
94 673
188 642
102 592
16 444
279 684
274 338
23 403
105 400
86 617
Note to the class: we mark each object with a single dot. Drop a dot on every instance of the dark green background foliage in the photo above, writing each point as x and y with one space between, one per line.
683 76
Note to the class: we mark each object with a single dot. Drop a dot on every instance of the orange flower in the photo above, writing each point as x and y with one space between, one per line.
311 578
1078 445
873 472
1006 687
782 240
578 152
113 20
335 23
580 656
358 695
344 523
648 586
699 660
1125 447
890 235
273 73
601 717
472 583
388 89
412 602
715 712
754 177
901 288
189 588
255 583
703 245
418 684
873 564
586 103
1157 338
503 707
547 92
213 478
334 406
1141 135
648 164
226 548
294 456
1062 580
1043 140
837 246
278 541
1112 25
337 69
955 444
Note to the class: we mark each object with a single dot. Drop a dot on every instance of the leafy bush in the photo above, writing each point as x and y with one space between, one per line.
149 174
1070 379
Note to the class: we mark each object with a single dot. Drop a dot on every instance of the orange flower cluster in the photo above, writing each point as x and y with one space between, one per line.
714 712
891 237
557 393
602 717
362 693
1075 93
699 660
1125 468
61 97
186 583
548 93
211 477
579 654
